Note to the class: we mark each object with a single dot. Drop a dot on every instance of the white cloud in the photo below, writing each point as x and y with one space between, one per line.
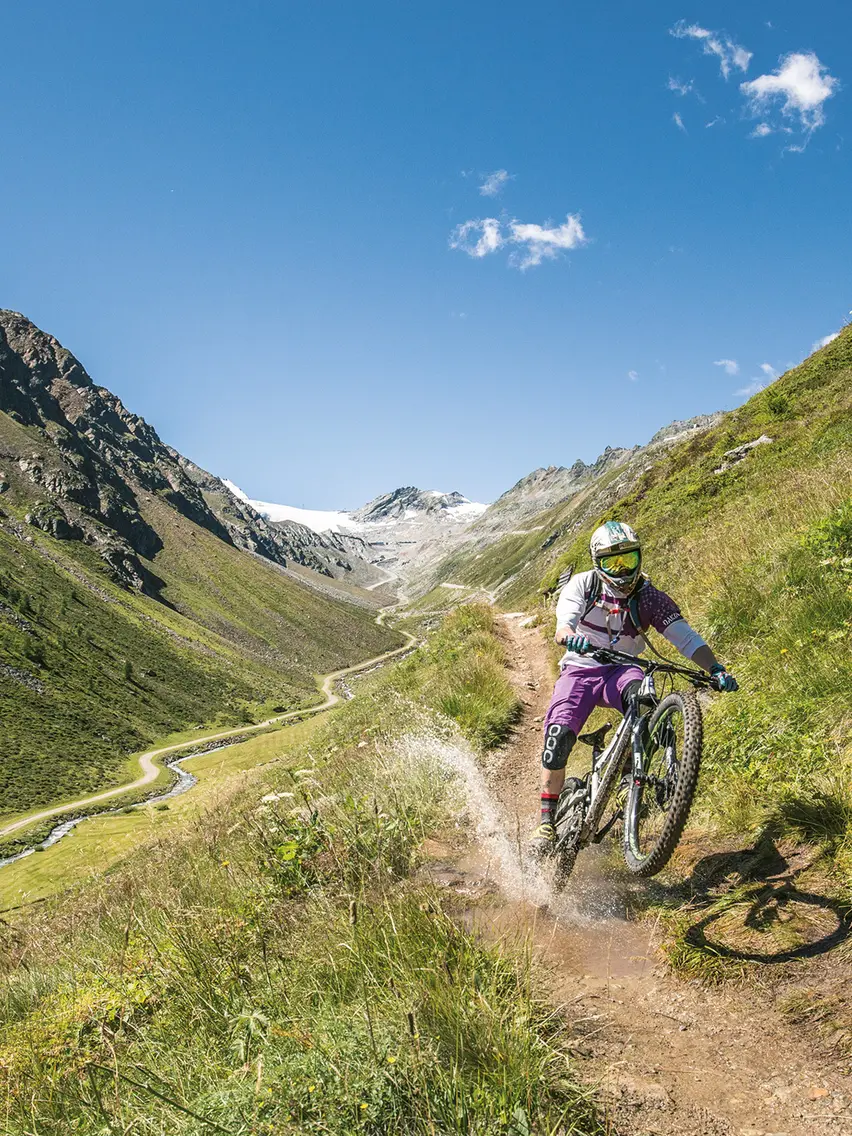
542 242
494 183
714 121
824 342
633 376
769 370
753 387
761 130
678 121
731 366
534 243
802 84
679 87
489 238
730 55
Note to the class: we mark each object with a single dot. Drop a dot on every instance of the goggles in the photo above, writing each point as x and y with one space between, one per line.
619 563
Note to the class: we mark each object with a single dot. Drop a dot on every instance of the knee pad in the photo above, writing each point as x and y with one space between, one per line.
558 743
630 689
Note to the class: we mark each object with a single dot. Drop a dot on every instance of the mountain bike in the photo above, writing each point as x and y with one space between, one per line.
647 773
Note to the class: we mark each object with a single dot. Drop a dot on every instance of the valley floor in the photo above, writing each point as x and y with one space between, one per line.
671 1056
258 1006
106 838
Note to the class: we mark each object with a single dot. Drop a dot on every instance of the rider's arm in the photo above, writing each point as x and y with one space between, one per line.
670 623
685 638
665 616
704 658
569 607
690 644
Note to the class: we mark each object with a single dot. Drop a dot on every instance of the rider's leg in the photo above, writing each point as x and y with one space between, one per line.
630 688
574 697
558 742
619 685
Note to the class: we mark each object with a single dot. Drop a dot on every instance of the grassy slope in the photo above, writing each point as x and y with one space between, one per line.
515 564
759 557
279 968
114 670
106 840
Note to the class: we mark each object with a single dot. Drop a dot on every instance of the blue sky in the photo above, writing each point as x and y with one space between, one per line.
264 227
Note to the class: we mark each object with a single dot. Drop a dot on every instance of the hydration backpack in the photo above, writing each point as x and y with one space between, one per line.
596 591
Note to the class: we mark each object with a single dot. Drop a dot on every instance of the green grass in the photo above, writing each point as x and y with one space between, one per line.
103 841
95 673
277 966
458 671
760 558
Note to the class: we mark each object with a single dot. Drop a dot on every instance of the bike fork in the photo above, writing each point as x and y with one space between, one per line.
637 773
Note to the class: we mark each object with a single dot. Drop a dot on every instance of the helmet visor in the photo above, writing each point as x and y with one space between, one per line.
620 563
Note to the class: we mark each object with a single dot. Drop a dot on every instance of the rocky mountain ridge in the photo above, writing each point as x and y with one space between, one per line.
538 502
377 543
86 467
403 503
87 463
138 595
408 533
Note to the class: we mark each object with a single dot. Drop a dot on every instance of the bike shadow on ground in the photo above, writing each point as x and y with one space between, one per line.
749 906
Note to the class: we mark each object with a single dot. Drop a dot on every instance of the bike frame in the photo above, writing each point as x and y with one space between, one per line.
606 763
601 775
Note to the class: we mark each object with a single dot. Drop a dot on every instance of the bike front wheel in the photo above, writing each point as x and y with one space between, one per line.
660 796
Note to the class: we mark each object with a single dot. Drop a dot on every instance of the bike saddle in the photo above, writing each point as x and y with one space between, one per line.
597 737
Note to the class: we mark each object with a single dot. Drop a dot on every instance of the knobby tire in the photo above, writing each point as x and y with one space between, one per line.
687 781
566 856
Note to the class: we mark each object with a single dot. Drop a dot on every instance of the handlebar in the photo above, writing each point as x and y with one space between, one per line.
606 655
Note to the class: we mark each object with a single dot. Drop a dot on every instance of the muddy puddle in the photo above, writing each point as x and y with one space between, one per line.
585 930
505 895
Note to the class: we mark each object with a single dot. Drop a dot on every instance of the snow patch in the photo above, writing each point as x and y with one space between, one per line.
320 520
466 512
337 521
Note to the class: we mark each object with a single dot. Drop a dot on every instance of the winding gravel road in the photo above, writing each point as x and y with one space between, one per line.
148 763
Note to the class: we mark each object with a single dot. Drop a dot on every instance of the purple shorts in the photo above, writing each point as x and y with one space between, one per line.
579 690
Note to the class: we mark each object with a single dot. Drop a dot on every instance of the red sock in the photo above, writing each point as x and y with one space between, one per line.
548 807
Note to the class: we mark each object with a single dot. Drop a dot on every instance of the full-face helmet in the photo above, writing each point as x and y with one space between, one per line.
617 555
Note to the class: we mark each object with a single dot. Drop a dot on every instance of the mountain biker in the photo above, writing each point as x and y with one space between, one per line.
612 605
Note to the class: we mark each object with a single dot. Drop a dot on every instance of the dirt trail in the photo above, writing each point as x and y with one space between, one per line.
672 1057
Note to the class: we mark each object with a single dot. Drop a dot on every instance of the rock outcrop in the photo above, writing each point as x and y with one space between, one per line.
408 502
85 466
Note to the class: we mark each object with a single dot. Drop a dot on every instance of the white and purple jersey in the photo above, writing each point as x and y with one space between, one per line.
608 623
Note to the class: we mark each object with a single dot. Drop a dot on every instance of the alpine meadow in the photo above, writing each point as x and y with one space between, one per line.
425 570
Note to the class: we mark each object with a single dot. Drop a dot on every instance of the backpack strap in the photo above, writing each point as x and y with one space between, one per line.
633 608
592 596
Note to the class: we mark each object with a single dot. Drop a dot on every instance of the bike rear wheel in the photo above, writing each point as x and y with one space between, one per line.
569 821
659 801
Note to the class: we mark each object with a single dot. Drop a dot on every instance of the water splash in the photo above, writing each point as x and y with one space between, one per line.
597 894
506 862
